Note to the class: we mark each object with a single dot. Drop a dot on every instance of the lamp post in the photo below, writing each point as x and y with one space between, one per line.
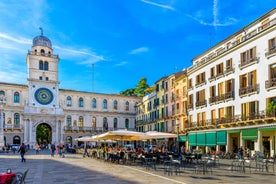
2 103
177 131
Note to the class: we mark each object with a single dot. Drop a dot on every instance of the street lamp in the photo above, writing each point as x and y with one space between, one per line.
177 131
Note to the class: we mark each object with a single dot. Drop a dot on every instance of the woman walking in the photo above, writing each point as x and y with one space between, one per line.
22 151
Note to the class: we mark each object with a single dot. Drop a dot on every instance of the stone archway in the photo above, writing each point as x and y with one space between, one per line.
43 134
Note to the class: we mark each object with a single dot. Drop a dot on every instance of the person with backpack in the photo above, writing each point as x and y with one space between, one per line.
22 151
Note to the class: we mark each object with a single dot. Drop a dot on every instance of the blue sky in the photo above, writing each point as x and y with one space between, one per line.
124 39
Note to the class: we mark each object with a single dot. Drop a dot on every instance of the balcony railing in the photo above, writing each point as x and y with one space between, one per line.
12 127
201 103
248 89
225 96
235 120
270 52
270 83
42 54
248 61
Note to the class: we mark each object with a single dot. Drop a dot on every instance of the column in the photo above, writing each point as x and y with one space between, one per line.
259 142
1 127
25 131
30 131
57 140
227 142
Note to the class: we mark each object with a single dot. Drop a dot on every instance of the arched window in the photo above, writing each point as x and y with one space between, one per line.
68 101
4 121
81 121
105 123
69 140
80 102
42 51
115 104
69 121
46 65
16 98
2 93
126 123
104 104
94 122
16 120
127 106
115 123
75 123
94 103
40 65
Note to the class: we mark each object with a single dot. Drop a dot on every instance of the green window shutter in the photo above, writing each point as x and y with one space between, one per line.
211 138
221 138
250 134
201 139
192 139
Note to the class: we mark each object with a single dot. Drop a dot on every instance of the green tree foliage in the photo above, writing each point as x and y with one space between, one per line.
43 134
271 108
141 89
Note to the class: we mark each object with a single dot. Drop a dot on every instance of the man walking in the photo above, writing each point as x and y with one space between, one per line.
22 151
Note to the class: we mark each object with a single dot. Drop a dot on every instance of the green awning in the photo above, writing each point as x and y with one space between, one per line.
211 138
182 138
221 138
200 139
250 134
233 131
192 139
268 128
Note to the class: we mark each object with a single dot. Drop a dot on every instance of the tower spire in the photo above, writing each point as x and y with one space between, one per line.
41 31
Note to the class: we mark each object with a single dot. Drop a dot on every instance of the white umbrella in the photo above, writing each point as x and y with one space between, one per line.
159 135
121 135
87 138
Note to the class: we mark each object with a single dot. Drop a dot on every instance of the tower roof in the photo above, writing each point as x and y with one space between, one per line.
42 40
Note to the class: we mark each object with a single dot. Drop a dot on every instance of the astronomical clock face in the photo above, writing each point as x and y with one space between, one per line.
43 96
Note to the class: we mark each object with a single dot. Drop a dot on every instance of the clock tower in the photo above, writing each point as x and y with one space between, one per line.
42 105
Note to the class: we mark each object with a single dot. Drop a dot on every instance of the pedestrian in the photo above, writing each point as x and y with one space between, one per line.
240 153
53 148
22 151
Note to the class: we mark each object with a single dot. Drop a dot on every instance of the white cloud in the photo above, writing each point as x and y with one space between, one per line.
158 5
121 63
139 50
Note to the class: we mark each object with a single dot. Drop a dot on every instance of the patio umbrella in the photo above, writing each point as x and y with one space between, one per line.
159 135
121 135
87 138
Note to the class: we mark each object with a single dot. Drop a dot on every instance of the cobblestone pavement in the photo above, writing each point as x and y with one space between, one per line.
76 169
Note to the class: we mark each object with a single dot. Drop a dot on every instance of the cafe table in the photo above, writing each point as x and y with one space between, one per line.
6 177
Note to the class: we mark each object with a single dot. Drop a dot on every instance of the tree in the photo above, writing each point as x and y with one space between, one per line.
141 87
271 108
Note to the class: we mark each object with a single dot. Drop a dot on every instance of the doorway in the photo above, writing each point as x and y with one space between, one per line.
43 134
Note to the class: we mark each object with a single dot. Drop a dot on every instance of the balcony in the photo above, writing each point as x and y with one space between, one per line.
221 98
249 90
229 70
271 52
270 84
201 103
248 62
190 106
12 127
200 83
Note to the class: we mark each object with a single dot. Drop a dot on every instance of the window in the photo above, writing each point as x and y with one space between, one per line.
115 105
115 123
68 121
81 121
47 78
80 102
2 93
271 44
16 98
40 65
157 87
212 71
94 103
248 56
68 101
16 119
46 65
105 123
229 64
126 123
127 106
40 77
104 104
94 122
219 69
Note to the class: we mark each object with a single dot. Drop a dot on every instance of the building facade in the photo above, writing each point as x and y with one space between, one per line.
67 114
232 91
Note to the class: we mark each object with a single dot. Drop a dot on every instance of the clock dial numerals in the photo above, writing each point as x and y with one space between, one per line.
44 96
